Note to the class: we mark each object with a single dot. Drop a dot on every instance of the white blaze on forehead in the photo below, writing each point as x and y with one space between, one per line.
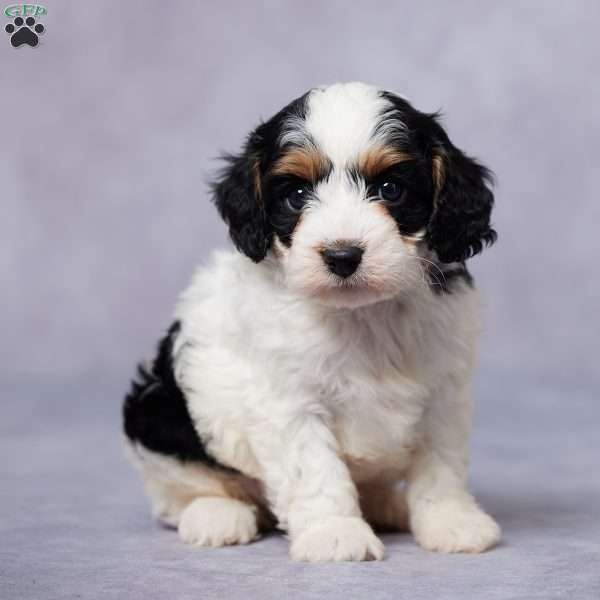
342 119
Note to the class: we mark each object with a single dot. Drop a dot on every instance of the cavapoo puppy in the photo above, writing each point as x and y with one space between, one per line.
318 379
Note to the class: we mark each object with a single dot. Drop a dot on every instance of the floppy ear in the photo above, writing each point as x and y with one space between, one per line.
237 194
460 224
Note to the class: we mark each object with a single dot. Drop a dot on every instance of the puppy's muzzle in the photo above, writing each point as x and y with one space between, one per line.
342 261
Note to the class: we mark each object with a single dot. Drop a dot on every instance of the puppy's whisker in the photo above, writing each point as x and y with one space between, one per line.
433 274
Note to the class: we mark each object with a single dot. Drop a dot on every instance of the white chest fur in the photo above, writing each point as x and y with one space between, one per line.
251 352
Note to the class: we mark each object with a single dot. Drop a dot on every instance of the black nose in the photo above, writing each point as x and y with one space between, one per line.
343 261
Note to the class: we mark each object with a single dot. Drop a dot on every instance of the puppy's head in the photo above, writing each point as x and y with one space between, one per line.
353 191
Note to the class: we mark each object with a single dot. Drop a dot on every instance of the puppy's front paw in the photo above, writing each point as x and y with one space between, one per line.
337 539
218 522
454 525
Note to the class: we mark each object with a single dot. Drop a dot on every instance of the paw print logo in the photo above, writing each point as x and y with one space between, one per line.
24 32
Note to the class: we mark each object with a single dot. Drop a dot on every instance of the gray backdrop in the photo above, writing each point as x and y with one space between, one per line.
110 129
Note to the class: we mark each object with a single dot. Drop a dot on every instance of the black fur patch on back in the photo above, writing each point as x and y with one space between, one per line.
155 412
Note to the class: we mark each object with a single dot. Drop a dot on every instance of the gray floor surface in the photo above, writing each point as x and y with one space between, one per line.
74 522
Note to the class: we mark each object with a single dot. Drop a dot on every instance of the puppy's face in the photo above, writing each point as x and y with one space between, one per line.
354 191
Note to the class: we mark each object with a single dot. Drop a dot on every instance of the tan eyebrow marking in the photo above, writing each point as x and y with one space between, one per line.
305 163
379 158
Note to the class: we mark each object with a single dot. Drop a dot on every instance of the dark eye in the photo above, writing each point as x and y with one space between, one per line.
296 197
390 191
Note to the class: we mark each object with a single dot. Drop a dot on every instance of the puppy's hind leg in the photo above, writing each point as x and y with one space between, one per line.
218 521
168 499
208 503
208 508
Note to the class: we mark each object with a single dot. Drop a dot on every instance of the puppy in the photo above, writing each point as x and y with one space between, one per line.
318 380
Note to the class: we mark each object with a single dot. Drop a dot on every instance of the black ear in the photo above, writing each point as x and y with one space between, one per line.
460 224
237 194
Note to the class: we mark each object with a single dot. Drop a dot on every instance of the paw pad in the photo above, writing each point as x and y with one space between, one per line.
24 31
